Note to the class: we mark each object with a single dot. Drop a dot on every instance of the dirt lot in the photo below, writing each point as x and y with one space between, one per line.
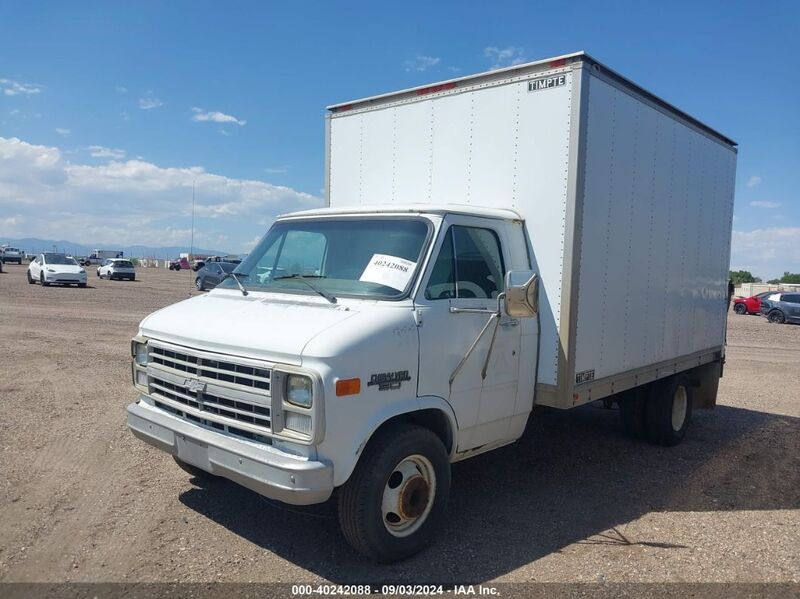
574 500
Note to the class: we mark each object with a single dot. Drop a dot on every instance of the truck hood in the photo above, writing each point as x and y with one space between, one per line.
270 328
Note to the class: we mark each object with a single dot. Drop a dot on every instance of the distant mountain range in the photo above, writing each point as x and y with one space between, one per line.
32 245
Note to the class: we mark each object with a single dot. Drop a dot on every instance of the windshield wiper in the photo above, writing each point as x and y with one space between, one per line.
305 280
235 276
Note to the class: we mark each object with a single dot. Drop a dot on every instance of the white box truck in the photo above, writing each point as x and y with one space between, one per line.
546 234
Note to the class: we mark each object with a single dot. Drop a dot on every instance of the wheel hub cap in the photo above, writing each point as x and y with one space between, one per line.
408 495
679 405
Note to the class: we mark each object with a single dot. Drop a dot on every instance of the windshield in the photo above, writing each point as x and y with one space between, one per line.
59 259
362 257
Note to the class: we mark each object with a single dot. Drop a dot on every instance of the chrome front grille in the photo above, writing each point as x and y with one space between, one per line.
220 370
218 390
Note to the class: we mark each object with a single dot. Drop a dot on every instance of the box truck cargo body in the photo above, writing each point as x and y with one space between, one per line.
627 202
545 234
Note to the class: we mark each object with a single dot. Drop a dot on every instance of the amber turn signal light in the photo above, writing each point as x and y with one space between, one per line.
348 387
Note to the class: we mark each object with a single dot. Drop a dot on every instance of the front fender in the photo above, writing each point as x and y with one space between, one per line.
348 458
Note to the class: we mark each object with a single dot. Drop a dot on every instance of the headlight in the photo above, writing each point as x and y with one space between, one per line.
299 390
51 270
83 272
139 352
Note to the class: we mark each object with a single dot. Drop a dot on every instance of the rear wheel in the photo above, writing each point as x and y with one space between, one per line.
396 497
669 410
776 316
632 404
740 308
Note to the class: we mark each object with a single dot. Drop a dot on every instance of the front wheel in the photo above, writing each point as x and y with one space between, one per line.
42 281
30 279
776 317
395 500
740 308
198 282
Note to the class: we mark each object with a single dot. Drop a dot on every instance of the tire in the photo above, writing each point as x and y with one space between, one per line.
98 273
193 470
632 406
42 281
776 317
669 410
81 284
413 459
30 279
198 282
740 308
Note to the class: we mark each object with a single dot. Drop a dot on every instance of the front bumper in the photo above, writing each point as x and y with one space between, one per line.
65 278
266 471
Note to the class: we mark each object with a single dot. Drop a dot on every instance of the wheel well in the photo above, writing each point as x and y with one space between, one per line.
434 420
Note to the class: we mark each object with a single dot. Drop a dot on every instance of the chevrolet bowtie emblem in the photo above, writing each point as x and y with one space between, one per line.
194 385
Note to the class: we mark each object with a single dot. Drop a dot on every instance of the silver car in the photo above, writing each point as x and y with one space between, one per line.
782 307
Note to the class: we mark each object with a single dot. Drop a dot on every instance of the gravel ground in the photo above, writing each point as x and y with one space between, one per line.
574 500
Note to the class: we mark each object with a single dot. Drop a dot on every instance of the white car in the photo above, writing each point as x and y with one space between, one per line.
51 268
117 268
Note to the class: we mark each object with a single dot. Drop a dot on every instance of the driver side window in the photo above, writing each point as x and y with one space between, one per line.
469 265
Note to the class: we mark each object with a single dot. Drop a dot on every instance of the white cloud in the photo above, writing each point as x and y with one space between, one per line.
213 116
149 102
504 57
276 170
223 132
63 132
130 202
121 89
422 63
9 87
767 252
103 152
765 204
753 181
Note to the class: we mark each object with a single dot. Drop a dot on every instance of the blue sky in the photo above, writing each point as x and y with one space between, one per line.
109 110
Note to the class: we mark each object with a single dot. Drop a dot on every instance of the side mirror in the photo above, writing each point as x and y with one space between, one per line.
522 293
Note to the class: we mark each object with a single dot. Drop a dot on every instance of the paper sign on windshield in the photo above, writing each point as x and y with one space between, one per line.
390 271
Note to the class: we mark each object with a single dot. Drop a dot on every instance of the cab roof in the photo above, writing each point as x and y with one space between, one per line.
437 209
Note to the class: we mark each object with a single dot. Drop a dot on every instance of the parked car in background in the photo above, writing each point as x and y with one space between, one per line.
750 305
198 264
100 256
117 268
211 274
50 268
12 254
782 307
179 264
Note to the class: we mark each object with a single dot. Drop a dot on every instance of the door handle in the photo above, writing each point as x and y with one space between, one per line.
509 323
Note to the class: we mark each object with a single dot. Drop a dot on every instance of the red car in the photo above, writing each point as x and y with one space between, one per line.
750 305
179 264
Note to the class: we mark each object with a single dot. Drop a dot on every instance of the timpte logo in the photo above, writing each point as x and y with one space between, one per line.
536 85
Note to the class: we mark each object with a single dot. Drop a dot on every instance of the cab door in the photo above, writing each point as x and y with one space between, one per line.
456 300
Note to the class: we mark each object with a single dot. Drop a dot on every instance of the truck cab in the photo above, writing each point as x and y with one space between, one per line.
327 344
